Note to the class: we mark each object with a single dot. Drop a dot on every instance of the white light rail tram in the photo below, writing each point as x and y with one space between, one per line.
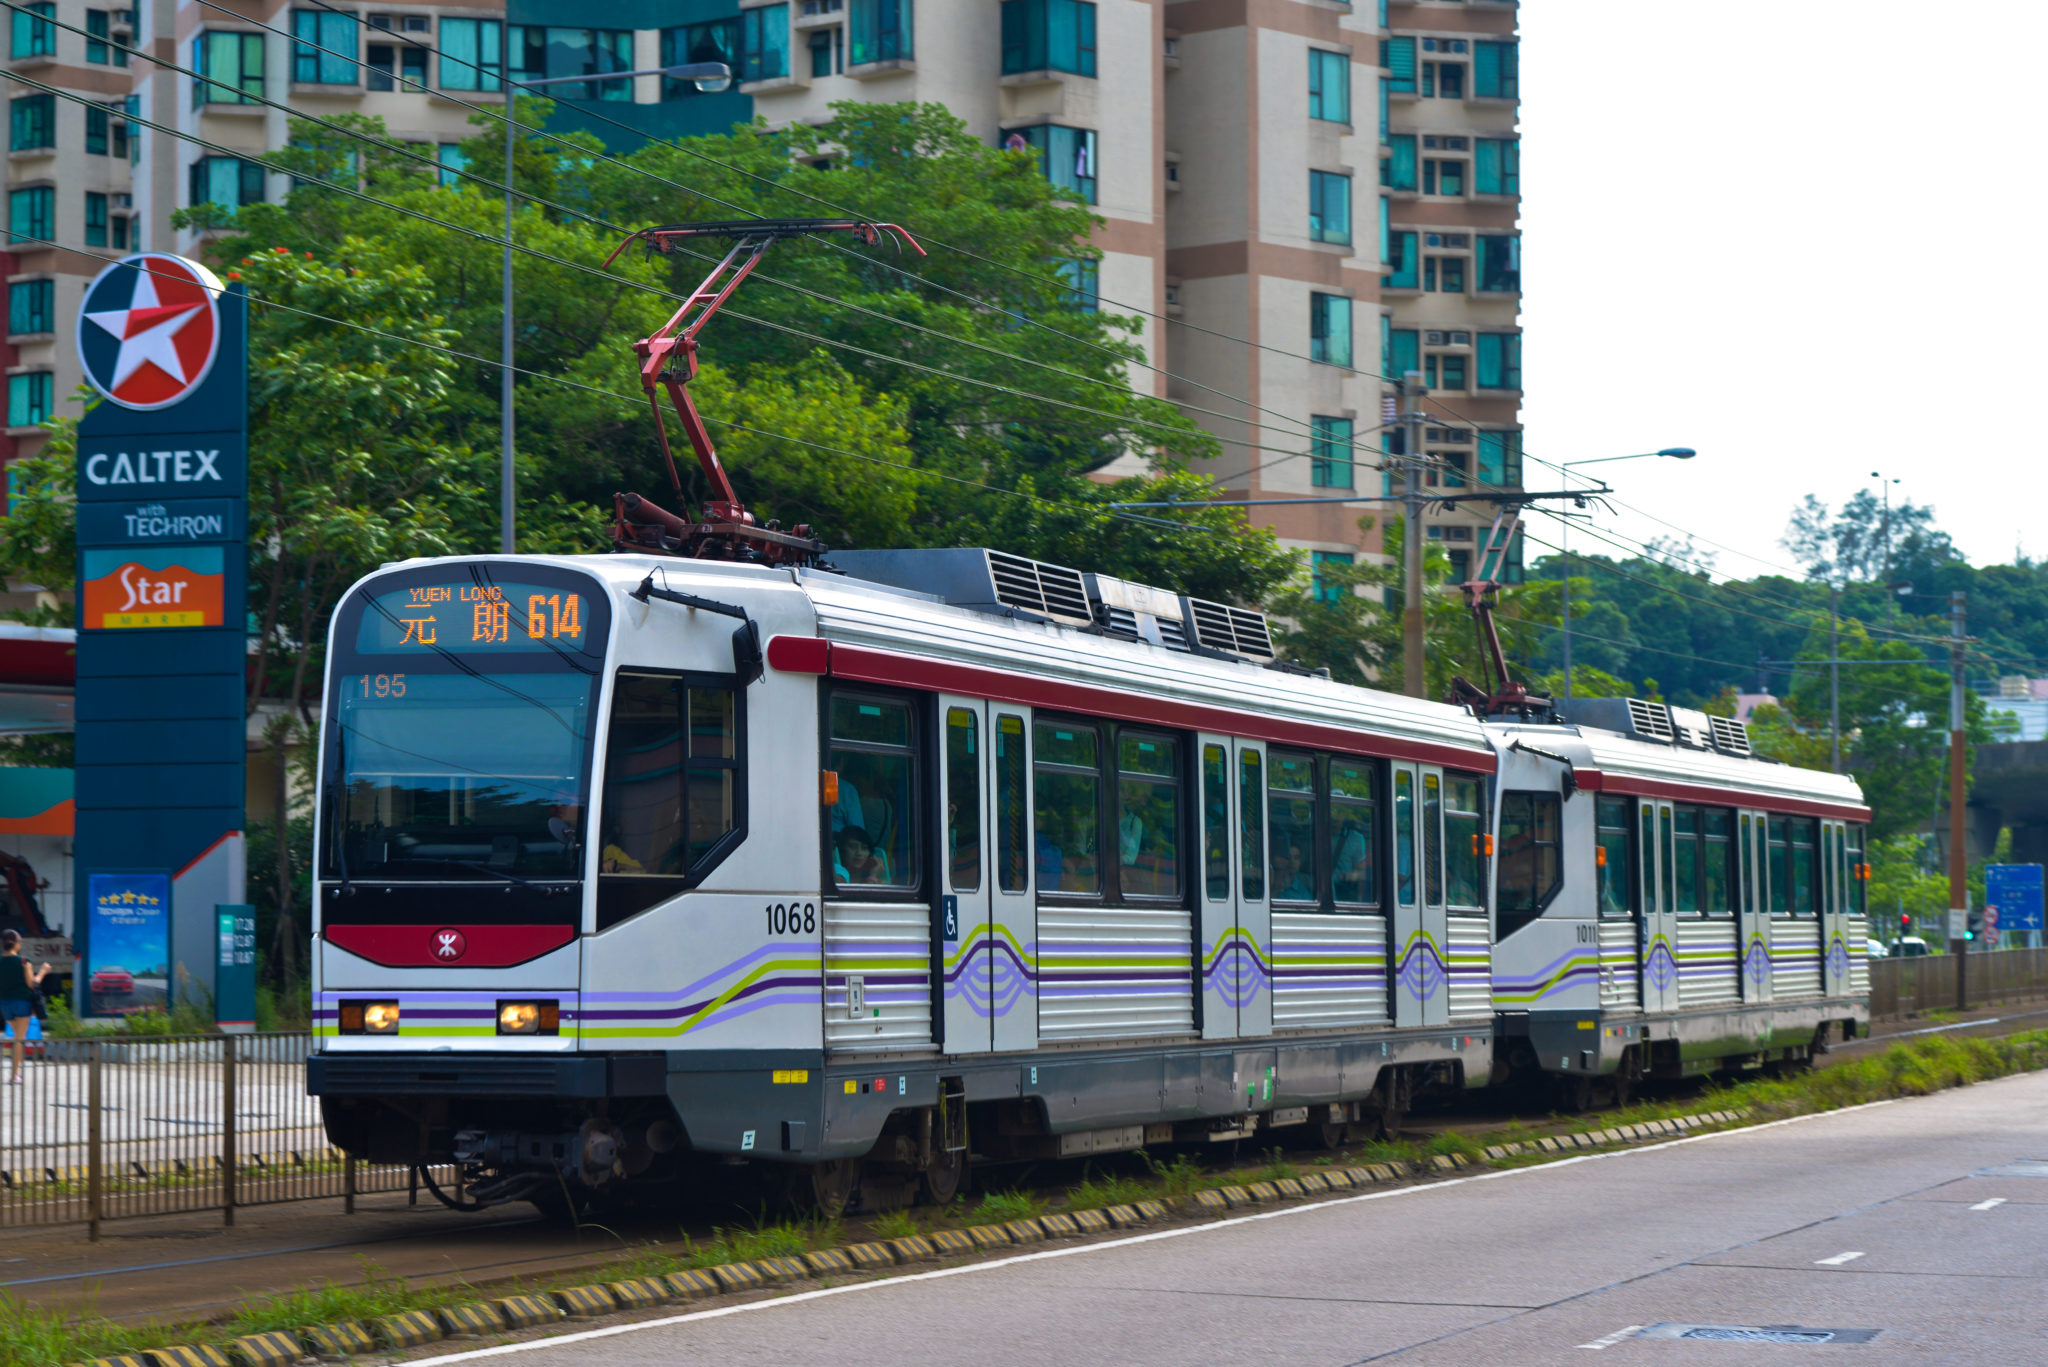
719 849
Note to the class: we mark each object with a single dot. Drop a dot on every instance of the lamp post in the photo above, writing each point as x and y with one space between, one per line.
1564 541
1884 486
708 77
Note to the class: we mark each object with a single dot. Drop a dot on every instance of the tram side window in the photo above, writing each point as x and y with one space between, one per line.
1747 854
1215 823
671 792
1013 811
1354 875
1291 821
1148 815
1433 838
1251 821
1717 861
1611 855
1404 837
1852 856
1805 871
1779 864
1531 870
1646 847
875 821
1464 842
1682 861
1068 780
963 798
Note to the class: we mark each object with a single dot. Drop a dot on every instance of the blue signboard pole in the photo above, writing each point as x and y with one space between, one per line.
2012 902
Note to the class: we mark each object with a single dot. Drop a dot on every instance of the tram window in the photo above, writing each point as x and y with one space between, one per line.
671 790
1068 781
875 820
1251 823
1682 860
1646 814
1013 812
1148 815
1617 879
963 798
1805 880
1433 839
1291 819
1717 861
1747 854
1780 866
1215 823
1531 871
1404 837
1852 857
1354 834
1464 842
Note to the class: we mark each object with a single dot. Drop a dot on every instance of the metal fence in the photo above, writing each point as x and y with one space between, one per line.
113 1128
1899 987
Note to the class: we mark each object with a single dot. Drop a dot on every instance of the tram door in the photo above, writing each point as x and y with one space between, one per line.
1421 927
1659 922
963 924
1237 934
1754 942
1834 909
1012 956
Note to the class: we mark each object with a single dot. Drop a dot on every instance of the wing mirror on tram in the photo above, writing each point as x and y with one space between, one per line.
746 637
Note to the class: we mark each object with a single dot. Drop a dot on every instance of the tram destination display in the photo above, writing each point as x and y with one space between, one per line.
473 617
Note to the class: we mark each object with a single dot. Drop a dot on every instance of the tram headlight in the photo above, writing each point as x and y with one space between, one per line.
529 1018
368 1018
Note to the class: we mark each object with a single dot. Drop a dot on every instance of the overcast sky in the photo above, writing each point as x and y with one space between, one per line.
1796 235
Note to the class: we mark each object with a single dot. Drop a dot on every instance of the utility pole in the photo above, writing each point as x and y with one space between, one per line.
1835 673
1958 857
1412 502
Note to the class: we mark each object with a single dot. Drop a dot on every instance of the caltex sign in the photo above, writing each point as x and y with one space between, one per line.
149 330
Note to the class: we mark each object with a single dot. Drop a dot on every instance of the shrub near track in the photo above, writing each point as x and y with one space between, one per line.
31 1336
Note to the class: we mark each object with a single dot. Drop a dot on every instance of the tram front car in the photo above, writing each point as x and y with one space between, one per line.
524 767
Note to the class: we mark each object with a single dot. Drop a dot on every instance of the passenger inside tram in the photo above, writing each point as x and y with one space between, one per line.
855 860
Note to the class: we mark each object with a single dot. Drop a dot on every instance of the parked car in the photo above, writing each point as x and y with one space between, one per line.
112 981
1911 947
1876 949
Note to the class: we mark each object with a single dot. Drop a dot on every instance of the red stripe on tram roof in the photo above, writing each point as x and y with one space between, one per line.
1635 785
860 664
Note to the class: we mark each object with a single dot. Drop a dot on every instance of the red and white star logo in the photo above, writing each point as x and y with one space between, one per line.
148 330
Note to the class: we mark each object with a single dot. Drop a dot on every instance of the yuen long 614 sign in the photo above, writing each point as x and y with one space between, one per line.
163 473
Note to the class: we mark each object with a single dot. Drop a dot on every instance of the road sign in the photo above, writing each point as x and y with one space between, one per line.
1958 923
2015 891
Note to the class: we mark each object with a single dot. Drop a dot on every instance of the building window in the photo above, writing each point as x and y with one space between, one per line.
32 123
1065 155
1084 285
1397 167
32 213
1500 360
122 233
538 53
228 182
99 48
1404 262
232 65
34 36
1496 71
1445 274
1444 80
453 162
1325 587
1329 207
1330 451
1329 329
1500 264
31 307
317 30
396 66
882 33
1444 372
1403 352
764 43
1497 166
1397 55
472 54
824 45
1443 177
716 41
95 219
28 399
1500 459
98 130
1329 86
1048 35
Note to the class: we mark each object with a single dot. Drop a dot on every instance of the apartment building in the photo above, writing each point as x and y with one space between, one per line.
1306 196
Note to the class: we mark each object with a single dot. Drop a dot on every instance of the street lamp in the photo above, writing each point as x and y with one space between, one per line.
1884 485
1564 540
709 77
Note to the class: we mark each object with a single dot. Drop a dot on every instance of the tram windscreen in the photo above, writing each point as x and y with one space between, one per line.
460 726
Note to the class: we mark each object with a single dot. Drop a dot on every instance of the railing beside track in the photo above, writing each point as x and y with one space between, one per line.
1900 987
107 1129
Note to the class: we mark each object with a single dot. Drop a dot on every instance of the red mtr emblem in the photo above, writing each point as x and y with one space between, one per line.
449 945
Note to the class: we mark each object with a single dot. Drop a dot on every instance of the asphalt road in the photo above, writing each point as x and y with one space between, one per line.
1894 1219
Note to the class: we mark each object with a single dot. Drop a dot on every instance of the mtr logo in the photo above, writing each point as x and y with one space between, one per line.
449 945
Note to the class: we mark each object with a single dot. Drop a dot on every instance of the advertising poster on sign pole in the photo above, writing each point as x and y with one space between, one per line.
128 962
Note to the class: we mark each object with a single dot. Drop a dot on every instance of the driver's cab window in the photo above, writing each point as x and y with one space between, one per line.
672 788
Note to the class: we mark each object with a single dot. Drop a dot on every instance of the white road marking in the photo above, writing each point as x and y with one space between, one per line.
1837 1260
1611 1339
996 1264
1986 1205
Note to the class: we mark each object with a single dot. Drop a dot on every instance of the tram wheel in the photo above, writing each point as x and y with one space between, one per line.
560 1204
832 1185
1330 1134
940 1182
1574 1093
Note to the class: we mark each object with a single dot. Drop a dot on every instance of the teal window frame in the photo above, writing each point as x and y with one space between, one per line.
472 55
1049 35
568 51
1329 329
1446 371
1062 152
1499 356
100 49
726 40
95 219
1496 71
31 307
34 34
99 125
1329 207
1497 166
1318 588
30 398
230 182
32 213
1331 465
1500 457
1397 57
1403 352
1084 284
232 64
1498 264
1329 85
881 31
32 122
764 43
1404 260
395 66
1397 168
340 35
452 160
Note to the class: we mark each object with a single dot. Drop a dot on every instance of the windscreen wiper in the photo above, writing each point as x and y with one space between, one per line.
486 868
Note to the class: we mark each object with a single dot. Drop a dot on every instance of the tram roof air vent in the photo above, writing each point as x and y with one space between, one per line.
983 580
1729 735
1235 631
1138 612
1636 717
1691 728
